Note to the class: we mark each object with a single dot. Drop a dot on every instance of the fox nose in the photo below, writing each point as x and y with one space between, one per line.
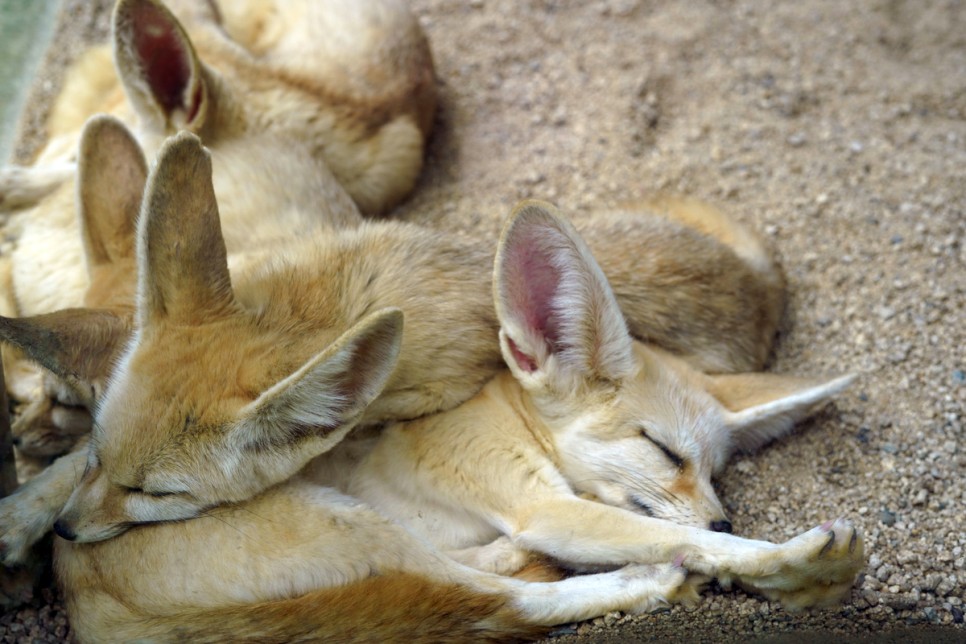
722 525
63 530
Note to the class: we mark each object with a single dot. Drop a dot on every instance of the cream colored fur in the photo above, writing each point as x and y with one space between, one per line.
284 304
301 562
588 412
297 561
283 559
300 102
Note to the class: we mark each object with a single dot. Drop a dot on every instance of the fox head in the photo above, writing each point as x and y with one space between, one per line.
202 408
633 426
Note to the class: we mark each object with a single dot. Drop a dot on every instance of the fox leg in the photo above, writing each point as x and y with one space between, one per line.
815 568
635 588
500 557
29 513
806 570
632 589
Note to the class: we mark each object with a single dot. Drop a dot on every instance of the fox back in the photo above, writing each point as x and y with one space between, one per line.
586 409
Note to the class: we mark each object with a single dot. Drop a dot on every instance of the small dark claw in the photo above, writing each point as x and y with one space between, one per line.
854 540
828 544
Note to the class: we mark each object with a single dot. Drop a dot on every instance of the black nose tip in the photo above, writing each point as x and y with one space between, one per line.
16 441
63 530
721 526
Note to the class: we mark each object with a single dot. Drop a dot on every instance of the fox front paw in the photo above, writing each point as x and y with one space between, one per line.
500 557
656 585
814 569
24 520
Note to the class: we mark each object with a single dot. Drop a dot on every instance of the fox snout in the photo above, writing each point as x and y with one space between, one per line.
64 530
95 510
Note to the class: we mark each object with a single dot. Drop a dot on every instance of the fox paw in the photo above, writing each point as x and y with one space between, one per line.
816 568
24 520
656 585
500 557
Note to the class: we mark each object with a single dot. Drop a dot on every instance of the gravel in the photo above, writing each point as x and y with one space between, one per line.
839 130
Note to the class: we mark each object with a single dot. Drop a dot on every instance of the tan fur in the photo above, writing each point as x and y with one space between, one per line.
274 382
349 79
297 561
283 307
698 284
667 285
301 563
296 125
587 411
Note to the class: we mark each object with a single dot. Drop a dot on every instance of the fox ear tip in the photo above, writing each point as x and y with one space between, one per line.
532 211
184 142
533 205
839 384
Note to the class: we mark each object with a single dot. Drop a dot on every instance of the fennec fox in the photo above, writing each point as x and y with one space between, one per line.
348 82
287 132
586 410
302 562
205 339
332 100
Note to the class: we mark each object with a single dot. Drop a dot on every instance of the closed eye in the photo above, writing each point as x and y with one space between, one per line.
154 493
158 494
676 459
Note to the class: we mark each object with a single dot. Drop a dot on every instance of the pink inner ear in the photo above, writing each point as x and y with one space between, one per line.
164 59
531 282
525 362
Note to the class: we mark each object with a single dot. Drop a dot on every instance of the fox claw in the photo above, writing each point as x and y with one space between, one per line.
828 544
816 568
657 586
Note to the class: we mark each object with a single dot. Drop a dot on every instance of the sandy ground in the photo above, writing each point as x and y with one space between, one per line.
836 128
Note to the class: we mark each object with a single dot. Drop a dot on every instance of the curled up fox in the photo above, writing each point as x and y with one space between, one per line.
346 455
307 132
205 469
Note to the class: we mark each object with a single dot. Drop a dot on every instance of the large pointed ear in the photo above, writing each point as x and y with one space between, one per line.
182 262
559 318
760 407
328 395
159 69
111 174
78 345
